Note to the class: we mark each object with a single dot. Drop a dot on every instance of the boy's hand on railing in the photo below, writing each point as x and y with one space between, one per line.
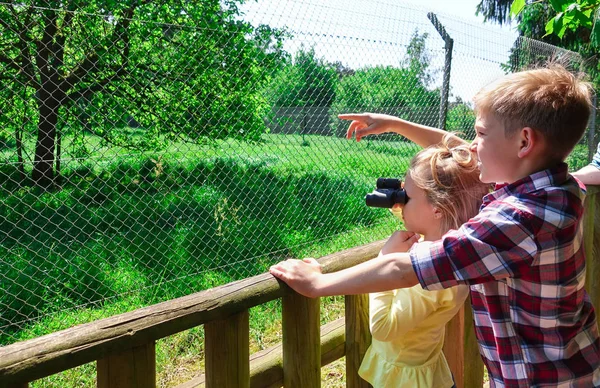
364 124
303 276
400 241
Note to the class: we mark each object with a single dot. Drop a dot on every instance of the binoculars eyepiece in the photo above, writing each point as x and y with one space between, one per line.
388 193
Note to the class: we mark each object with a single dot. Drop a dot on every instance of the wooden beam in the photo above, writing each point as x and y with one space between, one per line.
591 240
358 338
454 348
473 364
227 352
133 368
301 341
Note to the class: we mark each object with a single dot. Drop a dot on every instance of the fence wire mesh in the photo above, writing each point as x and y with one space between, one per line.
153 150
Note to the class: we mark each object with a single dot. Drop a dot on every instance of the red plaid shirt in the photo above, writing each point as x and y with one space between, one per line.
523 256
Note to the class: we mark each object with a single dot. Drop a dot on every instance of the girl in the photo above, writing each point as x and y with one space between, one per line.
408 325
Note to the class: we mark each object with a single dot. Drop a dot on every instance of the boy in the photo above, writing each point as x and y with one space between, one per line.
522 254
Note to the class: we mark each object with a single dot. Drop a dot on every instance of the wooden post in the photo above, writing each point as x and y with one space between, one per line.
454 348
14 385
591 239
227 350
473 364
134 368
301 341
358 338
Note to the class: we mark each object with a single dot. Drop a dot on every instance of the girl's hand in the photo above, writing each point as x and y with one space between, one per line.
303 276
400 241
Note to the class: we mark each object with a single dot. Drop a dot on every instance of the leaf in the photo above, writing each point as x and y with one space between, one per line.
554 25
583 19
560 5
561 31
516 8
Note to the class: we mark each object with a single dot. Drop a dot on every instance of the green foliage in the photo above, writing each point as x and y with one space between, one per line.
417 58
175 68
461 118
400 91
308 81
578 158
565 15
6 140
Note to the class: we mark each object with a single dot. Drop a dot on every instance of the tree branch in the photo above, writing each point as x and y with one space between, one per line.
43 46
99 85
119 34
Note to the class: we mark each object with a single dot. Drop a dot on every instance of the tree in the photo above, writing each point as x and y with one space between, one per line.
308 81
417 58
565 23
461 117
177 68
568 15
403 91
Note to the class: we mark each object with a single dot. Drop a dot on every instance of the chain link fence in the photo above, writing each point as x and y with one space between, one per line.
153 150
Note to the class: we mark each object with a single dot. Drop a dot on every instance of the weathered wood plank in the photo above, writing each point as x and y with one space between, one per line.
56 352
301 341
473 364
454 348
591 238
358 338
227 352
14 385
266 366
133 368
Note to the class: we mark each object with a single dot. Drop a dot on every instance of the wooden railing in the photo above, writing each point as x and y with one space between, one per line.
124 345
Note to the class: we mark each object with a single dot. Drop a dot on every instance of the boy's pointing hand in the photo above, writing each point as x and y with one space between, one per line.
365 124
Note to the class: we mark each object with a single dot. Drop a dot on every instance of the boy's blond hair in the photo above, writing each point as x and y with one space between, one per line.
448 174
551 100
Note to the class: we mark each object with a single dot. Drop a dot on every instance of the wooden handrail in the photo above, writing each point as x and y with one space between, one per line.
43 356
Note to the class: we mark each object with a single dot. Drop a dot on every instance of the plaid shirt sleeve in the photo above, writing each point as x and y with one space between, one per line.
498 243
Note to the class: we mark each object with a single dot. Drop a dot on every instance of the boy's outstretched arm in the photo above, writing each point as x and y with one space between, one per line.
374 124
588 175
387 272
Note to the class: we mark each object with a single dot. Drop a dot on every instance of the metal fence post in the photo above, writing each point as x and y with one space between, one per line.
447 66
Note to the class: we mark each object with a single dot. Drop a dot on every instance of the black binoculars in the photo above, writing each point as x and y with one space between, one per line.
388 193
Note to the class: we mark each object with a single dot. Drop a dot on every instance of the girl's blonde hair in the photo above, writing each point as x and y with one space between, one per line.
449 175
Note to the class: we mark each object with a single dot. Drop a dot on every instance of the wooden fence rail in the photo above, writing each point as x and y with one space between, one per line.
124 345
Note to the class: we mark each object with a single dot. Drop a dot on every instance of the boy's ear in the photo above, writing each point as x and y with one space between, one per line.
528 140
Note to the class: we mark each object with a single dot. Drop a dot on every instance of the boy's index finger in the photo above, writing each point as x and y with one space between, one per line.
352 128
351 116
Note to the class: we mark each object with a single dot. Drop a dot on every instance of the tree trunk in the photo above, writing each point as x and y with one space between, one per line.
43 165
57 176
19 144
